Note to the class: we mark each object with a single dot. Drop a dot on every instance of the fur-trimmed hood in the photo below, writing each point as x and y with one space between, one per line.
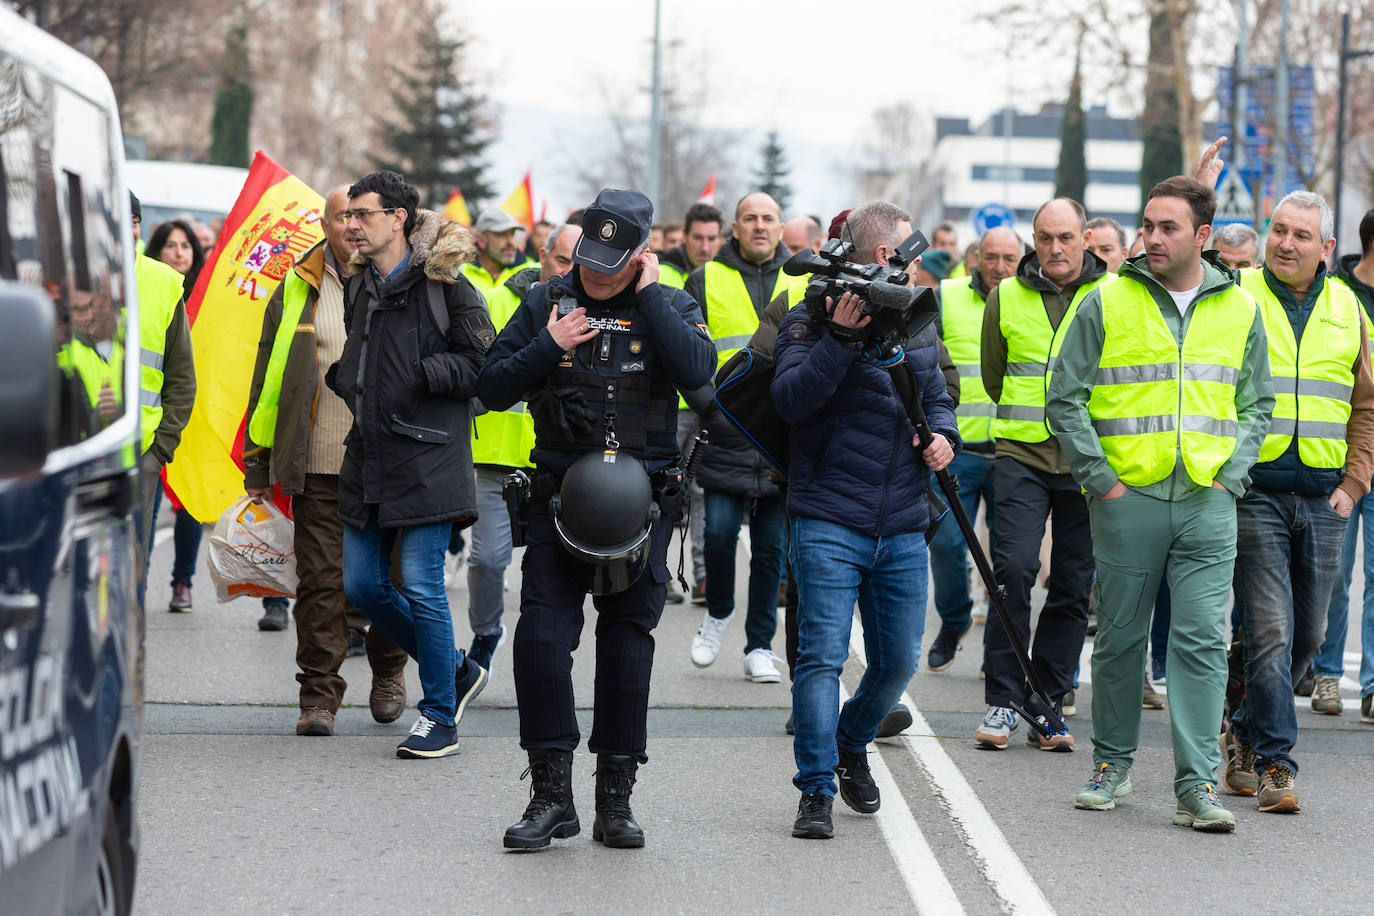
440 245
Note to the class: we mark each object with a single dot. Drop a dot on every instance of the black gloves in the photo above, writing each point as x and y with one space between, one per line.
564 410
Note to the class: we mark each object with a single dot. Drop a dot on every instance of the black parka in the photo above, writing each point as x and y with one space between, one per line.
409 453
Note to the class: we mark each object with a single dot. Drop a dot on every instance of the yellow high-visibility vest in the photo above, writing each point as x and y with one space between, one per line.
262 426
503 437
962 319
159 292
1032 348
1314 377
1153 398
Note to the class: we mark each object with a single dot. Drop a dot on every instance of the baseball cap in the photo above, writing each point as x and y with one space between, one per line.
494 219
937 261
614 225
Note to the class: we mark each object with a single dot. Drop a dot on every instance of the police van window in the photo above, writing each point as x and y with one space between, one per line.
58 232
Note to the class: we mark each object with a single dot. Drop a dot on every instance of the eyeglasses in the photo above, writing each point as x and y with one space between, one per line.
364 212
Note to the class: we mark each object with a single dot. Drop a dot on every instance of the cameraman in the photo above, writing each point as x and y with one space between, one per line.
857 502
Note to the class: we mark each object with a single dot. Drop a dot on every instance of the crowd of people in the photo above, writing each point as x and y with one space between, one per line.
1149 400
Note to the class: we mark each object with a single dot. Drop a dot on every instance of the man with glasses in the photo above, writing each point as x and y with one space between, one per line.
417 335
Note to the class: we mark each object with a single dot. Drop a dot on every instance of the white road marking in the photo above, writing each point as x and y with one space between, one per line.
1001 866
925 880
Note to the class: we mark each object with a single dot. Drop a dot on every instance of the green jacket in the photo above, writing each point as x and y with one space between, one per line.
1066 406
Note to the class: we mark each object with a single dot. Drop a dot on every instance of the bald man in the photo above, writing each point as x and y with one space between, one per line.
802 232
961 328
734 288
294 436
1023 327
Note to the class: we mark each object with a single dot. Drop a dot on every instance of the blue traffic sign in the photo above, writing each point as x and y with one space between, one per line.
990 216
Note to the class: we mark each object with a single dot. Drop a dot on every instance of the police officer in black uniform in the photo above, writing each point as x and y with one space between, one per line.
599 355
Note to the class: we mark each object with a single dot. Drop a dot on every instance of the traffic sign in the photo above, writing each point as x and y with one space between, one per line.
1234 202
990 216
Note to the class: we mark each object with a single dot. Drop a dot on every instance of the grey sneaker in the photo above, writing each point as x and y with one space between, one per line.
1200 809
1278 792
1326 696
1109 782
1239 760
996 728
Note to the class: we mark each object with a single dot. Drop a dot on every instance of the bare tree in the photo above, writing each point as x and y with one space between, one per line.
689 151
899 165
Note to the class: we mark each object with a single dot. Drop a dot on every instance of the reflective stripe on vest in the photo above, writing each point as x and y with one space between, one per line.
503 437
1313 377
1032 347
262 426
962 321
1154 399
159 291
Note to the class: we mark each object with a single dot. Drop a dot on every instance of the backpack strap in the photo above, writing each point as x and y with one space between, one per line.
438 307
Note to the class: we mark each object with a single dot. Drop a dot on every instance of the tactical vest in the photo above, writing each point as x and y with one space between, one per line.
503 437
616 373
962 318
1314 377
1032 348
159 292
1153 398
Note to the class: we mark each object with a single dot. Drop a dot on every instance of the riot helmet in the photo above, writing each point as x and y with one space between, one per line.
604 514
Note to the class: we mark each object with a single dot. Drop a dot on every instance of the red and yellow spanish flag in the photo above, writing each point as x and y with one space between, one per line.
520 204
708 193
457 208
275 219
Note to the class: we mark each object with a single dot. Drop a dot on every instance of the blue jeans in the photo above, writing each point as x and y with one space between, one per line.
948 552
1330 659
490 555
834 567
1288 551
767 540
415 616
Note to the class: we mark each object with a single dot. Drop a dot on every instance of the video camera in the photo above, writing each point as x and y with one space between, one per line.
898 311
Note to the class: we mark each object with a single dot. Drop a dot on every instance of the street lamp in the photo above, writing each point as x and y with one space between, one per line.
1346 55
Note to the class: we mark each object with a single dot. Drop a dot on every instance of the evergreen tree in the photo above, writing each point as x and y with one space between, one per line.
233 104
439 134
1071 178
1161 154
771 177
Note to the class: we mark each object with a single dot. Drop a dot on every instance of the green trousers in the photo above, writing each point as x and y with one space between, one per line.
1137 541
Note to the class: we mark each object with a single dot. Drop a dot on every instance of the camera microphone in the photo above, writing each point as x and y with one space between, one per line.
890 295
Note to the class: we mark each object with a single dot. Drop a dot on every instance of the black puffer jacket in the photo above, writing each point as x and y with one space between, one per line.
730 463
409 452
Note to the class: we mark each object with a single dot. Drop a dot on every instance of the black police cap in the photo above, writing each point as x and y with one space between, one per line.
614 225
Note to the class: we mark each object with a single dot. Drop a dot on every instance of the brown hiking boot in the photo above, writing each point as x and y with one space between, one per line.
315 720
387 699
1277 792
1239 760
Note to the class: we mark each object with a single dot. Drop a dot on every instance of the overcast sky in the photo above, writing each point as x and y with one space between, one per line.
812 71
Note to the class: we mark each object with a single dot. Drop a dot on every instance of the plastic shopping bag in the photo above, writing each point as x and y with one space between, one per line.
253 552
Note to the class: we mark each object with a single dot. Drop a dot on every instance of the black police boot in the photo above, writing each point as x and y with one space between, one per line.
615 822
550 813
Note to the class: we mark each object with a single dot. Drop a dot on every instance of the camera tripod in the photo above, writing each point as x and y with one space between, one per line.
1039 712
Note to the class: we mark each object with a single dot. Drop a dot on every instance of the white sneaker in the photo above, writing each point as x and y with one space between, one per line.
706 644
759 667
453 570
980 611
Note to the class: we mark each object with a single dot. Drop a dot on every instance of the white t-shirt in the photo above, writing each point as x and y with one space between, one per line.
1183 299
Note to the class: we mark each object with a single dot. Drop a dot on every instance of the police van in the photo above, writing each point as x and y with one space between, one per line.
71 629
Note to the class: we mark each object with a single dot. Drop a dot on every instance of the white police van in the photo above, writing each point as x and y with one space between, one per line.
71 629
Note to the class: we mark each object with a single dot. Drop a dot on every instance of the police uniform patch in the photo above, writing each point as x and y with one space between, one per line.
636 346
608 229
797 331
